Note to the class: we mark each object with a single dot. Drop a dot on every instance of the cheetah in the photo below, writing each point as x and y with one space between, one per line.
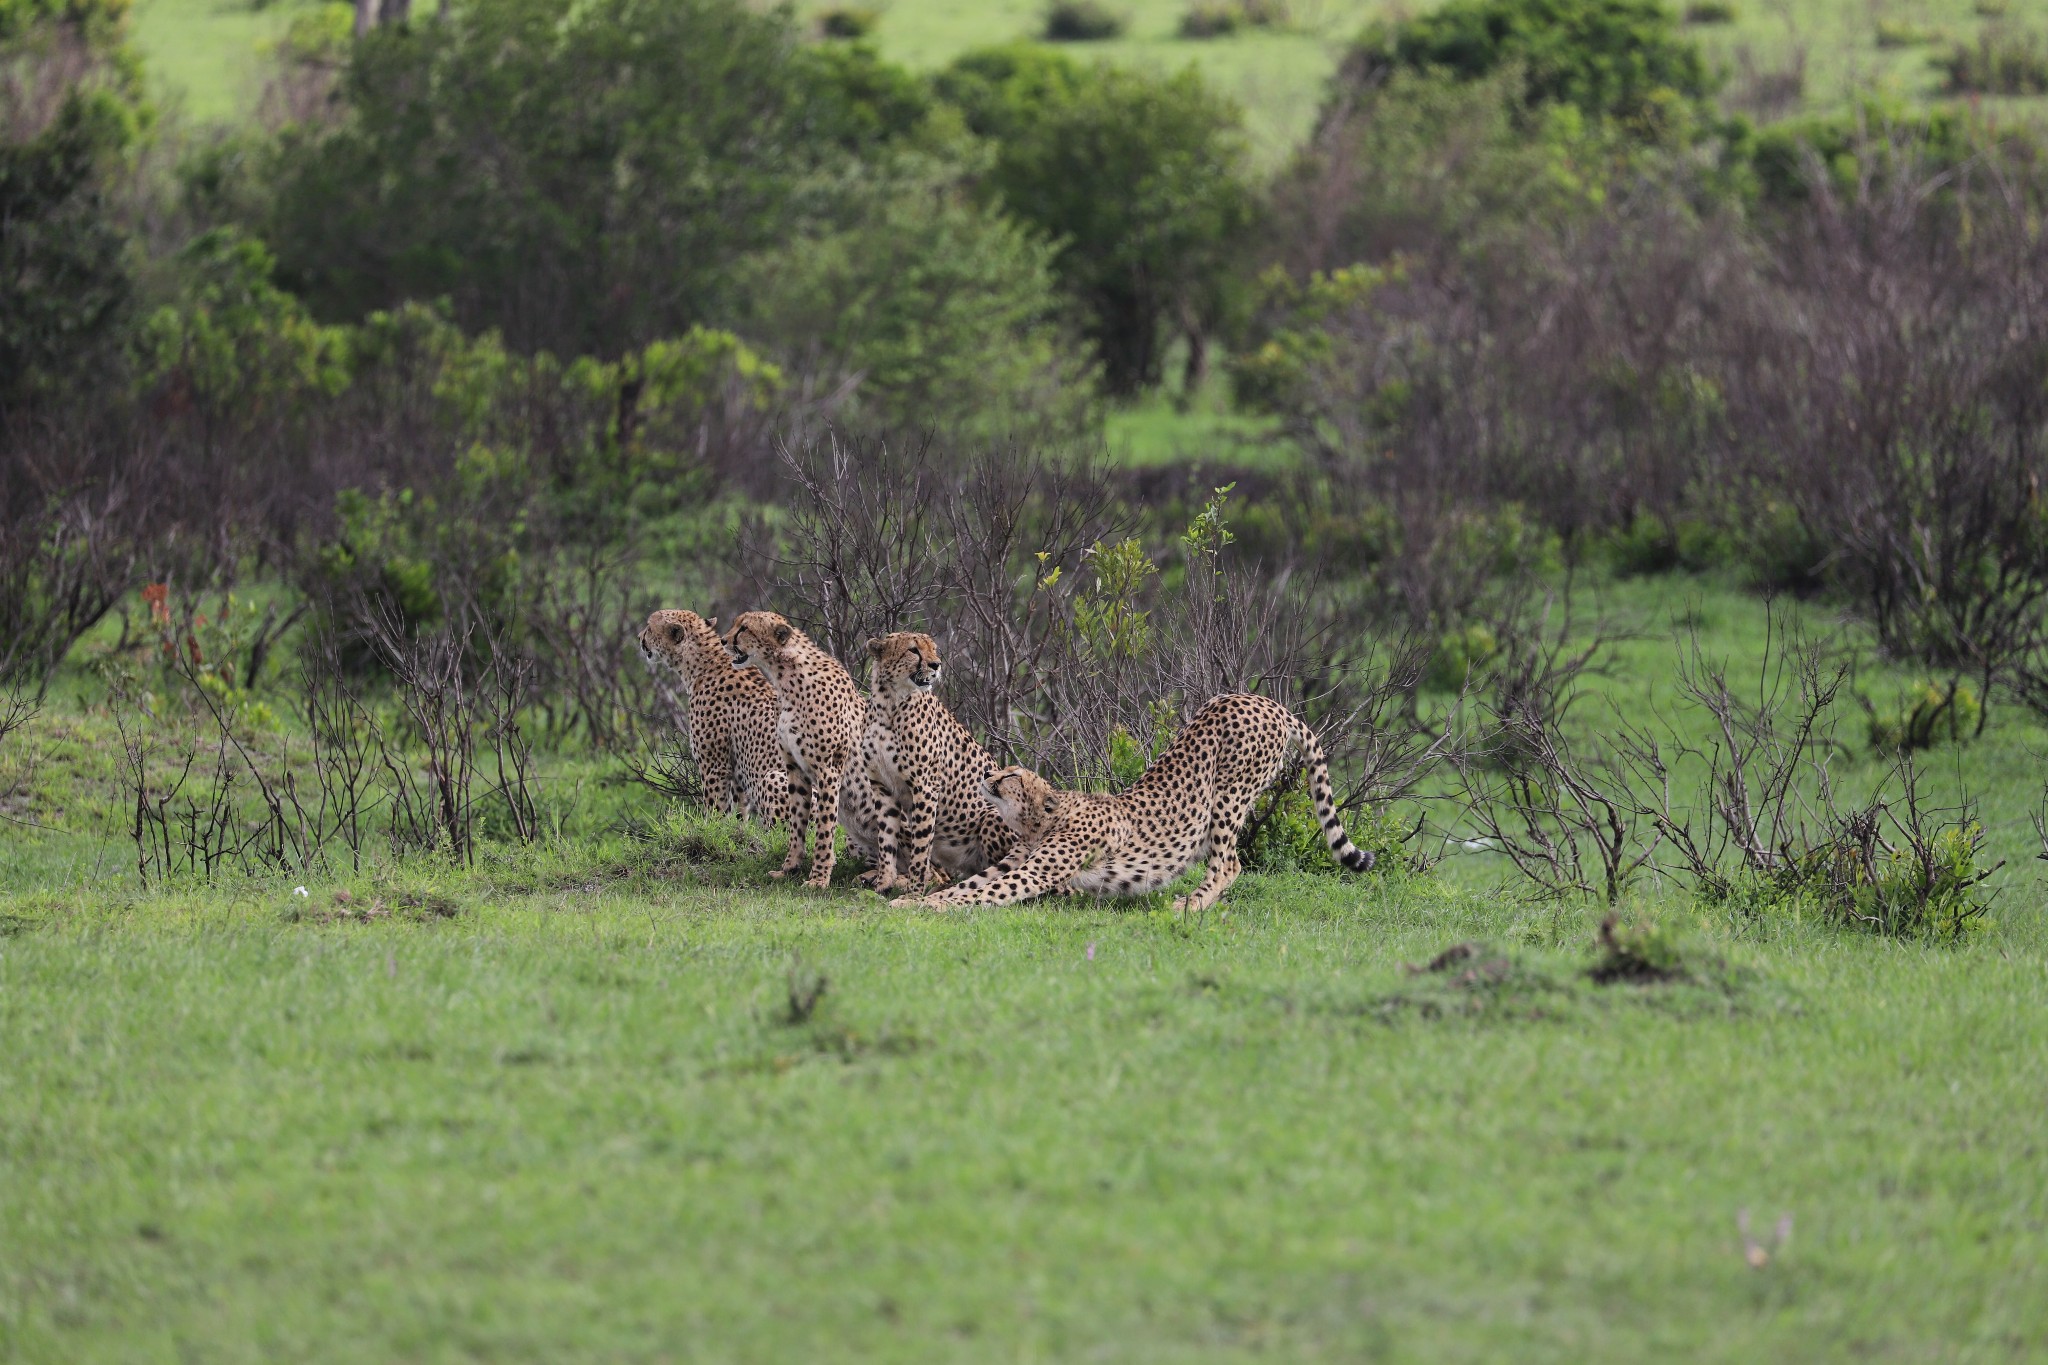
820 716
731 716
1197 793
935 822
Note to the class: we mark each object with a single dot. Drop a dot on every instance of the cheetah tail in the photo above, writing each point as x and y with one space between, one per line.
1341 848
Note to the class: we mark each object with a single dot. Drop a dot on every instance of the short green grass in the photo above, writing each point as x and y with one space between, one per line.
556 1107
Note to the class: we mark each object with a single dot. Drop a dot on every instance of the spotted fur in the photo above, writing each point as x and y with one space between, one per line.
928 770
1189 804
819 718
731 717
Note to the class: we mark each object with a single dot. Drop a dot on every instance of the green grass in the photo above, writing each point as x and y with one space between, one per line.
208 53
555 1107
207 57
575 1123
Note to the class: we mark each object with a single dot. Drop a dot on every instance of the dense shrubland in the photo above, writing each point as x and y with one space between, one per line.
504 328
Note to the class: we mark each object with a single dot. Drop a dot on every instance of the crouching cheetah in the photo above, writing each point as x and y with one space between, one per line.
818 722
1189 804
928 771
731 716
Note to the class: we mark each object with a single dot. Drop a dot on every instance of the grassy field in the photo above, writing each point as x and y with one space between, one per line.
560 1106
207 54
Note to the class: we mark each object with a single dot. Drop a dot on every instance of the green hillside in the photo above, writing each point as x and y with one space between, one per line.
208 53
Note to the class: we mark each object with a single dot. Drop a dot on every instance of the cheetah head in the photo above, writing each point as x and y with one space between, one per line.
1023 800
904 663
680 640
757 639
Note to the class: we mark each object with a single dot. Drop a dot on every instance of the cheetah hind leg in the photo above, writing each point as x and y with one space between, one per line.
1221 869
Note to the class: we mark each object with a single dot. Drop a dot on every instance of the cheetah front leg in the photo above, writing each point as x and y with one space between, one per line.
798 806
1047 869
920 825
825 824
888 842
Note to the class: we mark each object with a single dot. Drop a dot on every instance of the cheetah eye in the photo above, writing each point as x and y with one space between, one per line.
1048 806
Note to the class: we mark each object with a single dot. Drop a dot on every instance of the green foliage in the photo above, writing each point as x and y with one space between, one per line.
2003 61
1460 656
1893 34
1930 889
948 311
1290 838
234 344
1864 146
1221 18
1107 611
1612 59
1138 180
1275 375
70 112
1651 544
580 180
855 100
1926 714
1779 552
1081 21
848 21
1129 756
1710 12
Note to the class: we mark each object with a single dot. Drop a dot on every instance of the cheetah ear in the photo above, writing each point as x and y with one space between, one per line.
711 622
875 645
782 633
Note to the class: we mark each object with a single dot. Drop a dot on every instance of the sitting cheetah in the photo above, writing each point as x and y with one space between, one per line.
1189 804
929 772
731 719
819 719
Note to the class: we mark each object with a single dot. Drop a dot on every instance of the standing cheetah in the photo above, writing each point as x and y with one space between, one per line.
731 718
929 772
1189 804
819 719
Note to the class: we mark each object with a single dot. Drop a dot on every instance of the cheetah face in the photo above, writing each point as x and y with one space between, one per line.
904 663
1023 800
756 639
676 639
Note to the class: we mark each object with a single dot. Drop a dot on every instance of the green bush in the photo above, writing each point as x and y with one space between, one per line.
1140 179
1221 18
848 22
2003 61
1290 838
1897 33
73 112
1622 59
1081 21
948 311
1706 12
1779 552
1459 656
1926 715
1211 19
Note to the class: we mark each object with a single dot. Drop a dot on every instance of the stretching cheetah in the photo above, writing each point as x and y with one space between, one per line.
1189 804
819 719
732 715
929 771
